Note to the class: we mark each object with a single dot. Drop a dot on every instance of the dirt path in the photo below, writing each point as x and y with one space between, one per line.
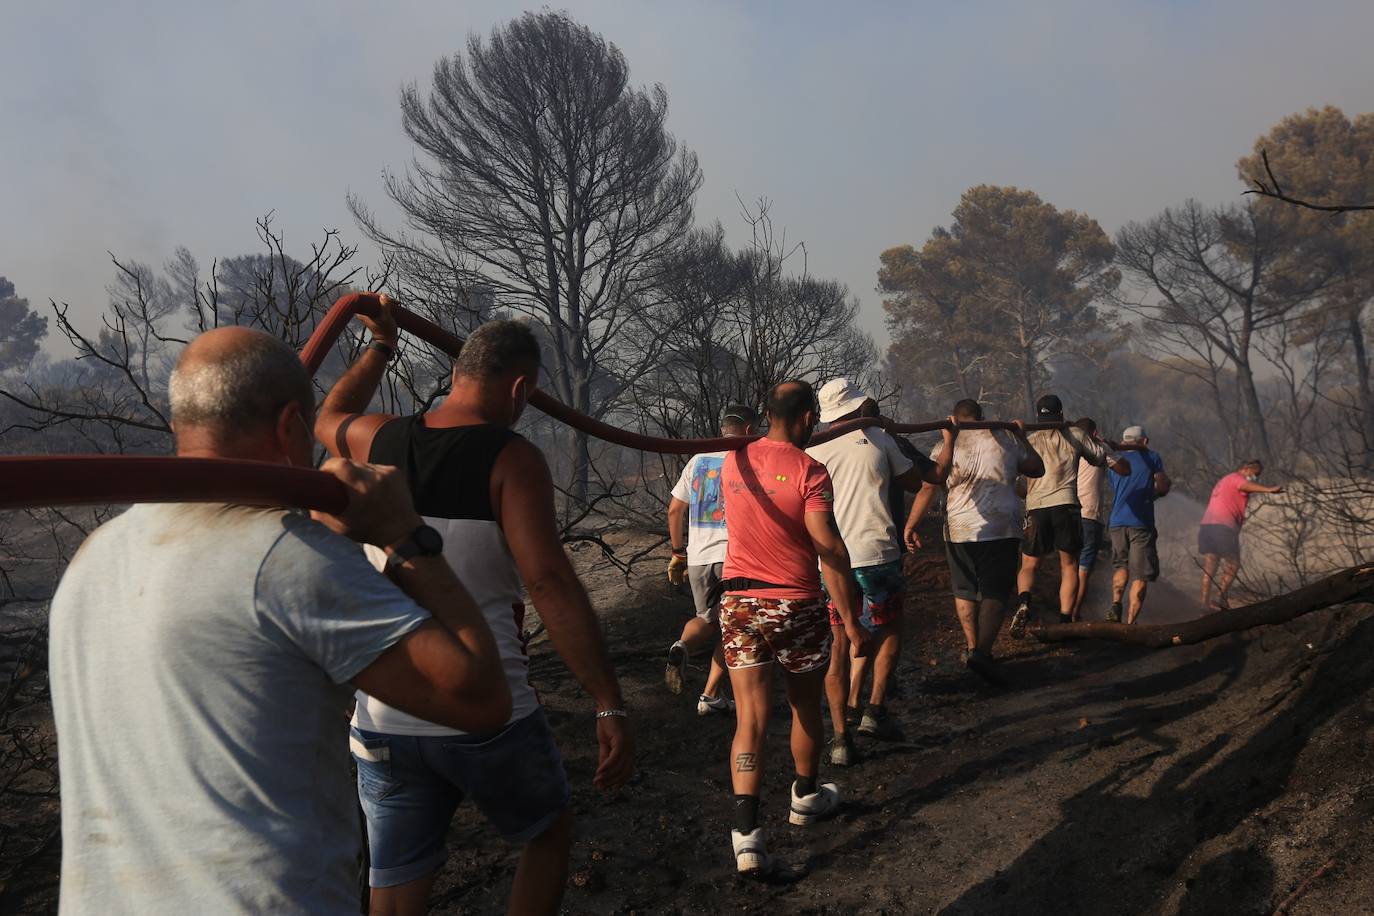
1207 779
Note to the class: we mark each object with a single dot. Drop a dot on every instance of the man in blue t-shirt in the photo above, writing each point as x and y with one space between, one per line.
1134 555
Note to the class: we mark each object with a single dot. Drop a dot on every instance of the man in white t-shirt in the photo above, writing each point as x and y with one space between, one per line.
864 466
983 521
1054 525
698 506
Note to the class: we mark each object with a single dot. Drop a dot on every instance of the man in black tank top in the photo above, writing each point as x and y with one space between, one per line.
489 492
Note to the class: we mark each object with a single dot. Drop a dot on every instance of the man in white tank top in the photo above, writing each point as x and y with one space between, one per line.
489 492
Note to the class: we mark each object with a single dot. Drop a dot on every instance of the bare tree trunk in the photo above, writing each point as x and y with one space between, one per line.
1363 381
1246 379
1353 584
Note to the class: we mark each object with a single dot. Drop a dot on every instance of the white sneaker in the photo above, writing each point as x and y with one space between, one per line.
750 855
822 803
708 705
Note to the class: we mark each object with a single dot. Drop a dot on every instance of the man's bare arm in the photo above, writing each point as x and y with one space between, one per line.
342 426
1030 463
1162 484
919 508
839 582
944 461
522 491
447 670
677 523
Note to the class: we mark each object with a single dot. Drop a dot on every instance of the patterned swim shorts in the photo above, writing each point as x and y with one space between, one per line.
883 588
794 632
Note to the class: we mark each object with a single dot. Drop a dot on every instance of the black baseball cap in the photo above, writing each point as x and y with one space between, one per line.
739 412
1049 406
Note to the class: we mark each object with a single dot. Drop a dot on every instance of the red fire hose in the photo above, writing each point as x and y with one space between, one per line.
32 481
338 316
76 480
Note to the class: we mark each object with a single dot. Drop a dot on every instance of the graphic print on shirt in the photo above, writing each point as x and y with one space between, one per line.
708 506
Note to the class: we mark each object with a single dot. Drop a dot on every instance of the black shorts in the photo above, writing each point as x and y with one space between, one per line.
1053 528
983 570
1218 541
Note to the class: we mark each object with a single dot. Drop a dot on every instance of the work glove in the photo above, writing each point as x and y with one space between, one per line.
677 569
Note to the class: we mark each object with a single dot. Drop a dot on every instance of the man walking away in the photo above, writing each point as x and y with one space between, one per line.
1091 505
1054 525
1218 537
202 655
778 500
983 522
865 466
1135 553
696 504
489 491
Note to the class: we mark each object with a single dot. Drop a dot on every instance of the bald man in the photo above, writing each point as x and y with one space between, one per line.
773 615
203 656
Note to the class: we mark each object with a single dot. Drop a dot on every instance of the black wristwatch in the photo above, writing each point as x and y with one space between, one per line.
422 542
386 349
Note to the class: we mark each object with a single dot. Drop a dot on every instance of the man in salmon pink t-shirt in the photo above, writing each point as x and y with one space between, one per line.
1218 537
778 502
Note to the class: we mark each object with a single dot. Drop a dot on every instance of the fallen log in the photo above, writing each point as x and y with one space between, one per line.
1351 584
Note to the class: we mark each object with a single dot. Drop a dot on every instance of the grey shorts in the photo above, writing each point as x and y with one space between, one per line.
702 579
1134 550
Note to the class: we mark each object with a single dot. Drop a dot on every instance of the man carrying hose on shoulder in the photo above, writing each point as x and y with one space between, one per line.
982 527
1054 525
778 500
489 491
202 656
865 466
1135 552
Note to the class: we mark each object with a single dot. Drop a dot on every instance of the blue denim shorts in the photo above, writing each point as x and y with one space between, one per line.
1092 543
410 786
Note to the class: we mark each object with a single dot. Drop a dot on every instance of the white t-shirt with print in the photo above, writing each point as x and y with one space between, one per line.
862 464
699 487
981 503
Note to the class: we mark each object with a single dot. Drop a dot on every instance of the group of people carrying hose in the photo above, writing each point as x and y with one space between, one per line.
751 528
203 656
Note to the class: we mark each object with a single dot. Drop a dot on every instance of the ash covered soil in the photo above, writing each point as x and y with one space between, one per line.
1215 778
1206 779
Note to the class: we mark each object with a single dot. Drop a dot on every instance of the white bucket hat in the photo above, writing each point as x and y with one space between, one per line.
838 397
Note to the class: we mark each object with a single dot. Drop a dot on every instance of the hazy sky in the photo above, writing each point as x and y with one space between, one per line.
135 127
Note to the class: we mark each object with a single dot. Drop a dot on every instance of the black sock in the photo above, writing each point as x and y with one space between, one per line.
746 813
1024 598
806 785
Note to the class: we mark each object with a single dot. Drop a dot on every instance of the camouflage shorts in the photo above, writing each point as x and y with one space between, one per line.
794 632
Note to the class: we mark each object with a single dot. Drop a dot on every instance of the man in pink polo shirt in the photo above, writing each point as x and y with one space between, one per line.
1218 537
778 501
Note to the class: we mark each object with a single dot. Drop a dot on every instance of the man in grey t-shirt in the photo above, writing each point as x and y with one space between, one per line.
203 657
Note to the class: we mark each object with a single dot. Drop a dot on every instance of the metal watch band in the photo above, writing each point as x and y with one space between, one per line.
612 714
